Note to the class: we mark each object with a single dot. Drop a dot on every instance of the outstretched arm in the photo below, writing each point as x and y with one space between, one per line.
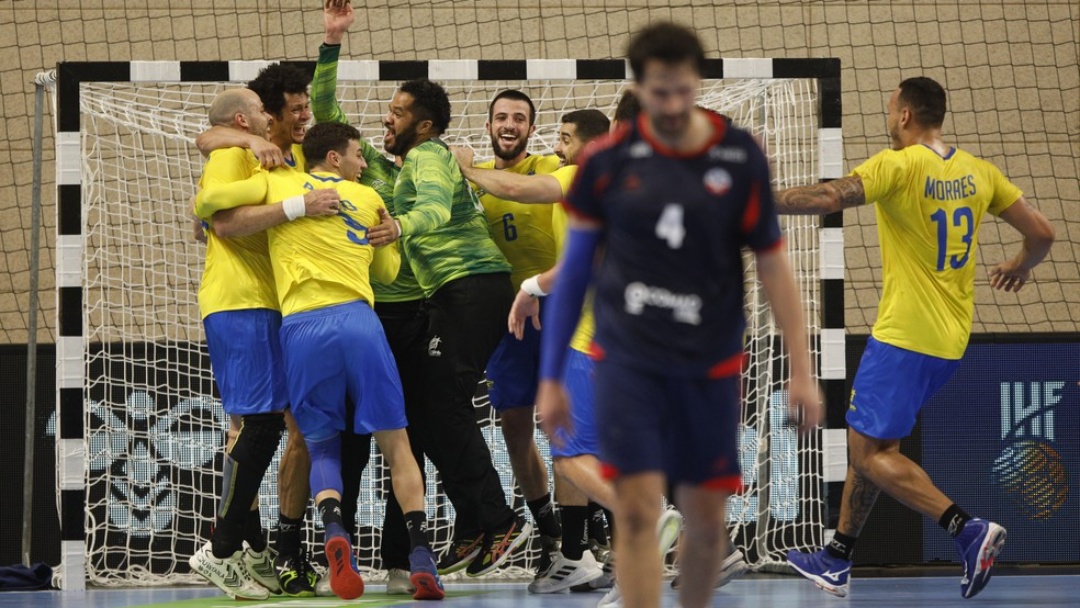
506 185
338 15
778 281
823 198
1038 235
234 210
218 137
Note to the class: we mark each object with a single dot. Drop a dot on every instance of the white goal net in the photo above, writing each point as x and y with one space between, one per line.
154 428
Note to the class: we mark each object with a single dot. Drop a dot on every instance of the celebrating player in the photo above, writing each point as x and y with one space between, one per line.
333 344
673 199
930 198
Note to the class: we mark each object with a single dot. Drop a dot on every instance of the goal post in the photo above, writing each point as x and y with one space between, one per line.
140 428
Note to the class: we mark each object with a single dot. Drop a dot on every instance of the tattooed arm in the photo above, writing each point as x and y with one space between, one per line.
822 199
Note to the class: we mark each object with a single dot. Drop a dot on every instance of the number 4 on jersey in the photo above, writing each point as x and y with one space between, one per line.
670 227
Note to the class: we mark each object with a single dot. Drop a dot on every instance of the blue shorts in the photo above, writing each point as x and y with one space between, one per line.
580 388
890 388
245 354
512 370
686 428
336 356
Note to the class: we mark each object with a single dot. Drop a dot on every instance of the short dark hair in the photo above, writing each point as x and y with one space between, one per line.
588 124
515 95
628 107
926 100
275 81
430 102
665 42
326 136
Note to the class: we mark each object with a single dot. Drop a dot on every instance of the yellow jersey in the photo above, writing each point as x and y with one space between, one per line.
928 212
586 327
317 261
237 274
523 232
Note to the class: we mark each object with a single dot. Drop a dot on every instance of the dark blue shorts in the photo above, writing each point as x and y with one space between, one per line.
890 388
686 428
580 388
335 354
513 369
245 354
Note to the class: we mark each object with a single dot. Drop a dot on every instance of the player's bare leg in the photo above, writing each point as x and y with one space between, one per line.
637 557
519 431
705 543
583 472
879 463
409 490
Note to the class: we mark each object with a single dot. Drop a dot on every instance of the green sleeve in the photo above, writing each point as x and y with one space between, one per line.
324 103
434 193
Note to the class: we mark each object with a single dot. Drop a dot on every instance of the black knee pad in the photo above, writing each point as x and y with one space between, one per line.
259 437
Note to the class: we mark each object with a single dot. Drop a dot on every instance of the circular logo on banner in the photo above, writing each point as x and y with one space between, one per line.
1032 474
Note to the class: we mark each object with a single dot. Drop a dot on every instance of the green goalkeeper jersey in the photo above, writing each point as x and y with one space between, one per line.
444 233
381 172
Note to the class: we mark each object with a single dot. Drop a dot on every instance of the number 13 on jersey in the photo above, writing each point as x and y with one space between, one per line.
963 223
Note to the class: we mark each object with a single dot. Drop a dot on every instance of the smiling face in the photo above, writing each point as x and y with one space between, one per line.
569 144
668 94
351 163
290 126
258 121
510 128
401 125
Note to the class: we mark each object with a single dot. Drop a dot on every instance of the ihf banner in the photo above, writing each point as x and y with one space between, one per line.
1002 439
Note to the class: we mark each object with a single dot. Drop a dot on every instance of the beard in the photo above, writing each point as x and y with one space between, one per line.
403 142
510 154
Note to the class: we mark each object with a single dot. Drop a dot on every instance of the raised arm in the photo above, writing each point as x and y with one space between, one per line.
337 17
1038 233
823 198
778 281
219 136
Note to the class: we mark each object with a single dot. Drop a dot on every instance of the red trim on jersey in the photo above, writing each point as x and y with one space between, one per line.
777 244
753 208
604 142
719 131
731 483
609 472
732 366
596 352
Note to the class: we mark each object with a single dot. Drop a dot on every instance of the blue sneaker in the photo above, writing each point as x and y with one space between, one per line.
978 544
345 579
828 572
424 575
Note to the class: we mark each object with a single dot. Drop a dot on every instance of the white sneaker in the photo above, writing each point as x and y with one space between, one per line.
612 599
229 574
667 530
733 567
398 583
565 573
322 586
260 566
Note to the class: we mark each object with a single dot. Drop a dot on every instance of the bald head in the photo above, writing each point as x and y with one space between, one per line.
239 109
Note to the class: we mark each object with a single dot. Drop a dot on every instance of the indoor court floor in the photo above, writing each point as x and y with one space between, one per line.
1042 591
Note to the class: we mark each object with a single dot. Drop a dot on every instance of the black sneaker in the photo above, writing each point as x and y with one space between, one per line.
461 554
499 545
296 575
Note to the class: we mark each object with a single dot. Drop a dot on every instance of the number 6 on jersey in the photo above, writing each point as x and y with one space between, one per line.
670 225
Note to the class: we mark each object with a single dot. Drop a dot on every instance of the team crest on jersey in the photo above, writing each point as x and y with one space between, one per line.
641 149
717 181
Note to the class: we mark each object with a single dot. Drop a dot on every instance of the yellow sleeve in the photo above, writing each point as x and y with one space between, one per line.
250 191
565 175
228 165
1005 192
385 263
882 174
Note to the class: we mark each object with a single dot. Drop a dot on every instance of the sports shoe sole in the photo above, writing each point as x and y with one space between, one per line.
991 547
464 563
232 588
427 586
571 576
526 532
667 530
824 585
346 582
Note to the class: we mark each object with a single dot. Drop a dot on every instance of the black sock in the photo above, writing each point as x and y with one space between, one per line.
574 523
597 529
253 531
288 536
841 546
416 522
543 511
610 522
330 512
228 538
954 520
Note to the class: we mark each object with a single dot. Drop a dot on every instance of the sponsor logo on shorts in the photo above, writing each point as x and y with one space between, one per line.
433 347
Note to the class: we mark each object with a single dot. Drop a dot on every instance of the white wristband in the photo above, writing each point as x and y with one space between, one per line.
294 207
531 286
